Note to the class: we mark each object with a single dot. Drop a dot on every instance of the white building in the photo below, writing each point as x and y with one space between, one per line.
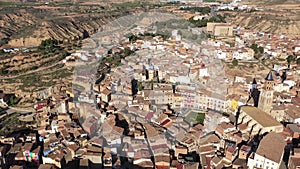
269 153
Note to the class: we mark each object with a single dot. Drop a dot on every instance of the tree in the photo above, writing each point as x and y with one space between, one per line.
290 59
298 61
48 44
13 100
140 86
3 70
127 52
235 62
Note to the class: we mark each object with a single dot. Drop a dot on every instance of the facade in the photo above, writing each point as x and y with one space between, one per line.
266 95
267 156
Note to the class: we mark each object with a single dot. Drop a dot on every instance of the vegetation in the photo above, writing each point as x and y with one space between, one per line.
298 61
290 59
13 100
48 44
132 38
128 52
35 81
10 124
140 86
201 10
195 118
49 52
225 114
129 4
235 62
200 118
203 22
114 60
258 50
3 70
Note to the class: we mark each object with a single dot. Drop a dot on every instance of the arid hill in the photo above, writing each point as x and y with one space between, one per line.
272 2
279 21
28 23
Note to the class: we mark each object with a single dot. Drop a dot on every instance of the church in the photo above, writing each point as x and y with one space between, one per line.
256 119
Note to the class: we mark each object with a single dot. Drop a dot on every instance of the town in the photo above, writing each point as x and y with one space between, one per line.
187 97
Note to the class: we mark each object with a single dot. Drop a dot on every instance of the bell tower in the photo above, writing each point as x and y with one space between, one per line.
266 95
255 93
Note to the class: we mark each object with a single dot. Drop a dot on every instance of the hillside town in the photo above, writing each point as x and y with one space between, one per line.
144 99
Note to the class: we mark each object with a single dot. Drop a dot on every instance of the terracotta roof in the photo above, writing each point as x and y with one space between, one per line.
294 127
106 91
225 125
259 116
216 160
46 166
212 138
191 165
267 144
293 111
295 161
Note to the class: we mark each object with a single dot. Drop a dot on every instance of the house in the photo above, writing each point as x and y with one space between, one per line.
294 160
266 156
180 150
292 114
56 158
84 164
162 161
94 155
90 125
106 95
224 128
294 129
107 158
244 152
216 162
231 151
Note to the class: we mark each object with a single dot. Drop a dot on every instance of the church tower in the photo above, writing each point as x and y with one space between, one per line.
255 93
266 95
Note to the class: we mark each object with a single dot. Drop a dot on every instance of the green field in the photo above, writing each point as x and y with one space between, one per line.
195 117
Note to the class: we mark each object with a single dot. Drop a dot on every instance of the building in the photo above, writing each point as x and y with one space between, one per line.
266 95
294 160
220 29
267 156
257 121
255 93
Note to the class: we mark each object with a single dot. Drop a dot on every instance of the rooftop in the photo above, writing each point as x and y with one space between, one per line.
267 144
259 116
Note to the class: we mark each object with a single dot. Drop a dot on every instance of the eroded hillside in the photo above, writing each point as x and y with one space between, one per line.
28 24
280 21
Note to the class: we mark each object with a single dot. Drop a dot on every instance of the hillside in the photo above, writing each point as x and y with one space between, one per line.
271 21
27 24
272 2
